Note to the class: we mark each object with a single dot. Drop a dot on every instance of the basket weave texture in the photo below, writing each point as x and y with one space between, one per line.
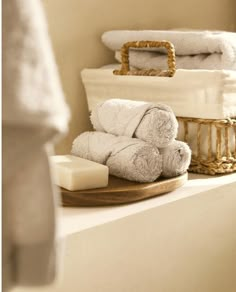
125 67
221 148
223 158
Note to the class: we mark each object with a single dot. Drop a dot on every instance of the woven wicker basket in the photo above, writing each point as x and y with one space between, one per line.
218 135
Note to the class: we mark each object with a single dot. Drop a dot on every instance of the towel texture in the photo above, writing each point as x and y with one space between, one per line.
194 49
34 115
176 159
126 157
155 124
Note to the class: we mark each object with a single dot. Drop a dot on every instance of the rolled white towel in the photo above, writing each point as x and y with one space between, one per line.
126 158
154 123
176 159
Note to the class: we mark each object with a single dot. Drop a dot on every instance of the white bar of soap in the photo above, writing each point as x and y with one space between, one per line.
74 173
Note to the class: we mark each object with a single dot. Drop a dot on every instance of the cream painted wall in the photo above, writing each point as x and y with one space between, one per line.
76 26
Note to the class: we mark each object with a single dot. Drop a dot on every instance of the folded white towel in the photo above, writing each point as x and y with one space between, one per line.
154 60
194 49
127 158
154 123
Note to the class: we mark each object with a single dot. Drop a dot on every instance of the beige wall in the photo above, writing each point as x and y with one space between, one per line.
76 26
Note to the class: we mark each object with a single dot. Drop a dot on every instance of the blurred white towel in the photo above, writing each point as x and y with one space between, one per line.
34 115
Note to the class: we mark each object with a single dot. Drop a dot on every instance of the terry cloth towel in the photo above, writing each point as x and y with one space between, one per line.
126 158
34 115
176 159
213 50
154 123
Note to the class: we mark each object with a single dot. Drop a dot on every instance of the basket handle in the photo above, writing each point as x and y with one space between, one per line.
125 67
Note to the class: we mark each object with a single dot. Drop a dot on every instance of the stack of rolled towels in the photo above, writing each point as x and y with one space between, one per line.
135 139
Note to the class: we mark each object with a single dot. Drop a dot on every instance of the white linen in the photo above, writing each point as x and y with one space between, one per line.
128 158
153 123
194 49
209 94
190 93
153 60
34 115
176 158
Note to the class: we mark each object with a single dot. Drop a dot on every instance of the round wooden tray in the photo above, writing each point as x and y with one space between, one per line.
121 191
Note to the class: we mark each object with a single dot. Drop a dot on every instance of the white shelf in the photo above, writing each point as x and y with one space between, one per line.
73 220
